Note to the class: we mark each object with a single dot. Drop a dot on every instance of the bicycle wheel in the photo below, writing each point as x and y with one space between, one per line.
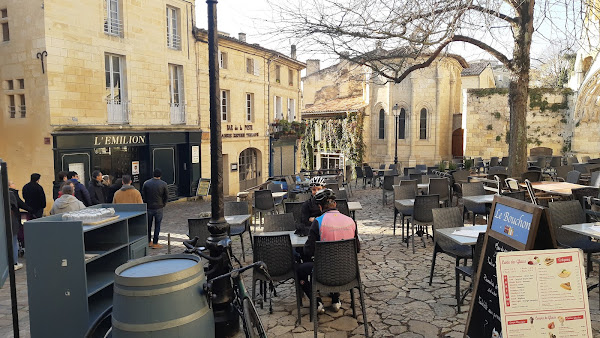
252 323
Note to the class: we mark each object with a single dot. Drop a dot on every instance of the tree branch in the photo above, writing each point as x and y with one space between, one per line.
497 54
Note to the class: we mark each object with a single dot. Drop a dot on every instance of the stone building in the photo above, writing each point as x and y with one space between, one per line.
427 100
122 86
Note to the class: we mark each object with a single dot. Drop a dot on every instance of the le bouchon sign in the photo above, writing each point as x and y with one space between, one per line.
238 131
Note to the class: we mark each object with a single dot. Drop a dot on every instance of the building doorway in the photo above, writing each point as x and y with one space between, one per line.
249 168
457 142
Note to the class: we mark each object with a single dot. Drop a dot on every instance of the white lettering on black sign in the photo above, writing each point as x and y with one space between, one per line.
119 140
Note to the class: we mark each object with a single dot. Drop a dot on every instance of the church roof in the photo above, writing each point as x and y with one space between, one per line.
474 69
338 106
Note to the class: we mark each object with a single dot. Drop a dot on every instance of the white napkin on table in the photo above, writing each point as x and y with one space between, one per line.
467 233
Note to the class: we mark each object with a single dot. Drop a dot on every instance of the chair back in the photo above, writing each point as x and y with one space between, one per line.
302 176
425 178
581 167
494 162
473 189
368 172
504 161
275 187
541 162
556 161
533 176
344 273
415 176
562 213
341 194
580 193
342 206
595 179
199 227
520 195
531 193
294 208
291 183
493 170
404 192
573 176
236 208
572 159
461 176
303 196
388 182
562 171
412 183
277 253
279 222
512 184
423 206
446 218
263 200
359 172
421 168
440 186
585 159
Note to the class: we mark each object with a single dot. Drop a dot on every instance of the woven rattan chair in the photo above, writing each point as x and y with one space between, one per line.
570 212
336 269
277 253
387 186
595 179
198 227
342 206
263 203
572 159
412 183
402 192
494 162
279 222
347 178
440 186
422 215
359 175
573 176
341 194
533 176
239 208
579 195
447 218
469 270
585 159
370 177
520 195
303 197
294 208
562 171
459 177
474 189
556 161
276 187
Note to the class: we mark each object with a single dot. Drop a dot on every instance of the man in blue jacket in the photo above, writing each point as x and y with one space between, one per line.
81 191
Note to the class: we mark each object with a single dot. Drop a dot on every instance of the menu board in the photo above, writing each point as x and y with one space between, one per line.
512 222
543 293
203 187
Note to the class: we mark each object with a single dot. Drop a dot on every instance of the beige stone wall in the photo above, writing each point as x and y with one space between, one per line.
488 121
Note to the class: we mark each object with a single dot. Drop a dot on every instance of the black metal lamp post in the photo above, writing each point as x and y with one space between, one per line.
226 319
396 112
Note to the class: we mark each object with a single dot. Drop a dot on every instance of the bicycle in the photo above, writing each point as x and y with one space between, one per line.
243 304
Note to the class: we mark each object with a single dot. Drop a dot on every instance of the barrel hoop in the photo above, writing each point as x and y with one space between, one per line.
161 279
151 327
160 291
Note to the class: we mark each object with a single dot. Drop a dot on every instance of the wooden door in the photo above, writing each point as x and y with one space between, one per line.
457 142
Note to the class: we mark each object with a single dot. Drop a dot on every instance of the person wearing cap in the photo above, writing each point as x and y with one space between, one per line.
310 208
330 226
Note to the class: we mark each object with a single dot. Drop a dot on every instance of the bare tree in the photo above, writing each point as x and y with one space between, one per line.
388 36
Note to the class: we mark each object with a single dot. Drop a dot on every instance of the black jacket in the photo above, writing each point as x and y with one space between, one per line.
56 185
81 192
310 208
96 190
109 192
34 196
154 193
16 204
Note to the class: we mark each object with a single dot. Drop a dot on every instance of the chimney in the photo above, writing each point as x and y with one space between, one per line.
242 37
312 66
293 53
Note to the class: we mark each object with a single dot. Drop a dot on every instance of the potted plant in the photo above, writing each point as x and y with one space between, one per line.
442 166
468 164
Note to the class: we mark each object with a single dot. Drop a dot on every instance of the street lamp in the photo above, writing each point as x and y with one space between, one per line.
396 112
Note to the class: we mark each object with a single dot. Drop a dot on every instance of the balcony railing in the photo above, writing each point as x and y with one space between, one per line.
113 26
23 109
177 113
173 41
12 110
118 111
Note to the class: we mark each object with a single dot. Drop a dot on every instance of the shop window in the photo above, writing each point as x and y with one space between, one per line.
249 107
423 124
113 25
332 161
278 73
116 95
291 110
225 105
381 124
223 60
278 108
290 77
402 124
173 37
11 106
176 91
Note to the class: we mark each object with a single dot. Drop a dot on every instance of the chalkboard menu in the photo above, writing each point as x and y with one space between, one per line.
512 225
203 187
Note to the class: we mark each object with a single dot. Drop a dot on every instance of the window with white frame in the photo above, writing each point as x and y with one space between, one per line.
224 105
291 110
423 124
249 107
173 37
176 94
113 25
278 108
223 60
116 96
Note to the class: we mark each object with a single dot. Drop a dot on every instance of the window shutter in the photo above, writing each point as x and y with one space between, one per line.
256 67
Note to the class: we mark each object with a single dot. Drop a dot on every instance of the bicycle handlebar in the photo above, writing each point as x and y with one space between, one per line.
236 272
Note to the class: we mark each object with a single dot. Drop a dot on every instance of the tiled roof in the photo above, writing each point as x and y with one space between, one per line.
341 105
474 69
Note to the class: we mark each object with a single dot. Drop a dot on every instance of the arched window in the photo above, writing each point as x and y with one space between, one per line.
423 124
402 124
381 124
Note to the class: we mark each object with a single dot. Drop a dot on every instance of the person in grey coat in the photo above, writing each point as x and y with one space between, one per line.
66 202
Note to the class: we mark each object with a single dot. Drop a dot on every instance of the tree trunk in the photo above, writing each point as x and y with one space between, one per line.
518 92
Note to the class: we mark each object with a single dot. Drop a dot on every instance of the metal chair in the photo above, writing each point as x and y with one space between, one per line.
279 222
459 177
359 174
448 218
402 192
277 253
512 184
537 199
343 275
422 215
573 176
474 189
387 186
263 203
238 208
468 270
440 186
198 227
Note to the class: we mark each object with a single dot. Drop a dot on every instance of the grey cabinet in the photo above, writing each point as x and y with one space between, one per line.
70 268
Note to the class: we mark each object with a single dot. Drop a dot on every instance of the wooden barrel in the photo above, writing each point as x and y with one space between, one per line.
161 296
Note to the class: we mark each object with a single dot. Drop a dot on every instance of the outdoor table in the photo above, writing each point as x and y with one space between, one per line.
279 194
461 240
237 219
586 230
297 241
480 199
407 203
352 207
554 188
423 186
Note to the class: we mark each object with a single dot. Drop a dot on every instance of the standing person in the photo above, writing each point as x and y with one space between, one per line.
154 193
128 193
16 204
310 207
81 192
110 192
34 195
330 226
57 185
95 188
66 202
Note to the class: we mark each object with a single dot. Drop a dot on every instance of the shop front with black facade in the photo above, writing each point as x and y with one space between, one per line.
135 153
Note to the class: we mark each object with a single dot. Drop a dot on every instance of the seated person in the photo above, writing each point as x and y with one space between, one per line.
330 226
310 208
67 202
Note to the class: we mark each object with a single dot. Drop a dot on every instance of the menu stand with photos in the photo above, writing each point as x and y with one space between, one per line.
513 225
203 187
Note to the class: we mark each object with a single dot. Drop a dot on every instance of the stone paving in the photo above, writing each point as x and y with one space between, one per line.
399 300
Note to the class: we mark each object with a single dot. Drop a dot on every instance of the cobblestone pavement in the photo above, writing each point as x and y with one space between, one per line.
399 300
